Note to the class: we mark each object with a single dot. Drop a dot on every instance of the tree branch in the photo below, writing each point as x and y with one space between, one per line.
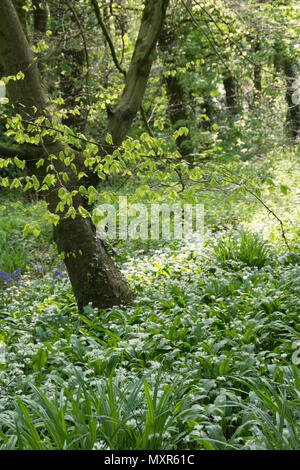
10 151
115 59
139 70
18 152
107 37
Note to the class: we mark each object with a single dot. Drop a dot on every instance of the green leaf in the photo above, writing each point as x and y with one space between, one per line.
39 360
284 189
19 163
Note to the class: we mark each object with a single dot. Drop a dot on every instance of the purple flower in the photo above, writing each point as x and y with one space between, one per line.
17 274
7 277
57 274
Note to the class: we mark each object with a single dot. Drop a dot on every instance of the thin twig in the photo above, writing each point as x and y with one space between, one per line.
267 208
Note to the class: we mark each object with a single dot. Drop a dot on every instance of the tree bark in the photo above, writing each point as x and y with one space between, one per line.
73 87
230 93
277 57
284 63
178 110
257 73
293 112
92 273
22 13
40 15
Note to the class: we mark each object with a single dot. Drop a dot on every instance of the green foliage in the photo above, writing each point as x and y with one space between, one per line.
105 416
246 247
275 410
203 360
205 357
14 252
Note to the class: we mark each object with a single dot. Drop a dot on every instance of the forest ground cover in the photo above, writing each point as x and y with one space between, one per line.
205 358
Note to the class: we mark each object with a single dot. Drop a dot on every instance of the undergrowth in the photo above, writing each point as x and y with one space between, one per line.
206 358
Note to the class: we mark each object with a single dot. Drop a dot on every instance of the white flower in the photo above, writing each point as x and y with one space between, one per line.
132 423
150 436
198 427
155 364
217 418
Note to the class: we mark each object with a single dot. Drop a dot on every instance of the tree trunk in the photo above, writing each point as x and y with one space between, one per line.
40 15
22 13
178 110
92 273
179 115
230 93
277 57
282 62
293 112
257 73
73 87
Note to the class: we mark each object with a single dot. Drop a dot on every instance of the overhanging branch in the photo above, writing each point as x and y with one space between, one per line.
13 152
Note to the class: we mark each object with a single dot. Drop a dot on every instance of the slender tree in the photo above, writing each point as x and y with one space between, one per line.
293 112
230 93
257 72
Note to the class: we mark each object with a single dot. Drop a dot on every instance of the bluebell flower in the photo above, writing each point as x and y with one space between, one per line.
17 274
57 274
8 279
99 418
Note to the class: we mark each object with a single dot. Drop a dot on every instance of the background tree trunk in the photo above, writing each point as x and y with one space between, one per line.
40 15
293 112
230 93
257 73
178 110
